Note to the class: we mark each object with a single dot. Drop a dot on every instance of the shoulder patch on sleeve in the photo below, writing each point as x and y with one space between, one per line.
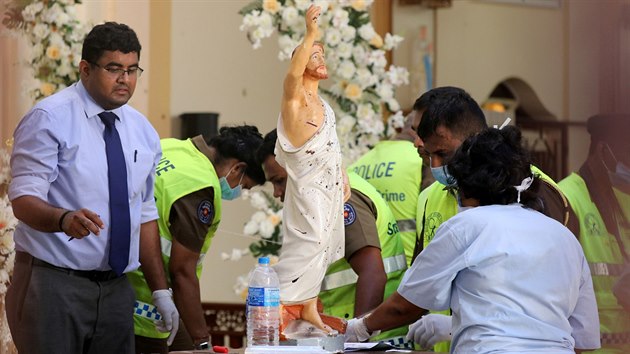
349 214
205 212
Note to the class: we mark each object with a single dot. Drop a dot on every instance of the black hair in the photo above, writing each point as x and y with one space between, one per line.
452 108
268 146
240 142
109 36
488 165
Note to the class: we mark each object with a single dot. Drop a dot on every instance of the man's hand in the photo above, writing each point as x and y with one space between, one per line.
357 331
312 14
163 300
430 329
80 223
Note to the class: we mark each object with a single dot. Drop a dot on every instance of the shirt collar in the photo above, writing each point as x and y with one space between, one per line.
90 107
202 146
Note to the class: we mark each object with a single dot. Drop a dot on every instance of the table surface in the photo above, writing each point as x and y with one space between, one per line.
241 351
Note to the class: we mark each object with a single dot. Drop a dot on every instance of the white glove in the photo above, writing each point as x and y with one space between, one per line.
430 329
357 331
163 300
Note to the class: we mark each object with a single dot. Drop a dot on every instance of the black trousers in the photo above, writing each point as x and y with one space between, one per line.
57 310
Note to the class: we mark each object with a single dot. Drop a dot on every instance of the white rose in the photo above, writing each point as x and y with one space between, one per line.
251 228
259 201
365 111
333 37
41 30
344 50
345 124
385 91
340 18
367 31
397 75
392 41
360 56
32 10
365 78
266 229
348 33
259 216
290 16
302 4
346 69
393 105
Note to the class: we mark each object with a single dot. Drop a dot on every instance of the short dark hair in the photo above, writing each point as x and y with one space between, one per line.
109 36
488 165
452 108
240 142
268 146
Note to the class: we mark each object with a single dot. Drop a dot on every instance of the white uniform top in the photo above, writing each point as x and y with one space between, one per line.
312 220
515 280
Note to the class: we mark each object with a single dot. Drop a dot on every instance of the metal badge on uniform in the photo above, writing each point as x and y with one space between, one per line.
349 214
205 211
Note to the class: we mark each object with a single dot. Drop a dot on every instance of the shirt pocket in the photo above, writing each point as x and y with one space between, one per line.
142 171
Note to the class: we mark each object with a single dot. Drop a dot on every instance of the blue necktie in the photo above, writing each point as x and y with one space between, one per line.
119 223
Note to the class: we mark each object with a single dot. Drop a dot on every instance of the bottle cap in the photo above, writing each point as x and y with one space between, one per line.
263 260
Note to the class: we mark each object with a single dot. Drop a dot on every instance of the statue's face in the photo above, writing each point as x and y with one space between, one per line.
316 66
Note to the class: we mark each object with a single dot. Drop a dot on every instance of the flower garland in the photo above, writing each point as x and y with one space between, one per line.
8 222
362 91
55 37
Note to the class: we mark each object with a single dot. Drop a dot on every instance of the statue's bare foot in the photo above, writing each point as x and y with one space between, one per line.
311 314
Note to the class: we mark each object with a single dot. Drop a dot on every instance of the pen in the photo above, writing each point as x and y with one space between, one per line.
135 154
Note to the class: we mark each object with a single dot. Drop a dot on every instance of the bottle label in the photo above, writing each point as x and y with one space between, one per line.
263 297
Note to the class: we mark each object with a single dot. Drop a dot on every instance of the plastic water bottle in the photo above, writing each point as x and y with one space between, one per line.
263 306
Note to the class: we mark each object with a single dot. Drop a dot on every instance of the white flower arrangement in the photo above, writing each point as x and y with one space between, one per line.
55 37
8 222
265 226
362 88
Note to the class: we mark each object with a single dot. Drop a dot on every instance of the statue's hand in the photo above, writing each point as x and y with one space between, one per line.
312 14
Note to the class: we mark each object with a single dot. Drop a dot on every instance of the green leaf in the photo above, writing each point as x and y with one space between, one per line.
254 5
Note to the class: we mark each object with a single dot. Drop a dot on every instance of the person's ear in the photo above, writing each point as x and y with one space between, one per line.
84 68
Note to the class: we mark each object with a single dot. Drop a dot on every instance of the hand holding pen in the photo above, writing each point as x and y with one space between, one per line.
80 223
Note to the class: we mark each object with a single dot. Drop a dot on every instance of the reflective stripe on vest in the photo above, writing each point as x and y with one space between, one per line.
399 342
146 310
348 276
605 269
166 246
615 338
406 225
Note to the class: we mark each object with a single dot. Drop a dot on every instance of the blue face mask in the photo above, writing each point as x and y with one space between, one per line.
227 192
441 175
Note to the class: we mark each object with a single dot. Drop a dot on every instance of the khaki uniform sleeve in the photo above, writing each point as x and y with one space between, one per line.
191 217
360 223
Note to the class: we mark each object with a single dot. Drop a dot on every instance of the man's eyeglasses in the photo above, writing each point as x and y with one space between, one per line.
118 72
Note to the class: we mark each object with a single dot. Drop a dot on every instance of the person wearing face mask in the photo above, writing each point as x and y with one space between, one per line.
191 180
449 116
516 280
599 193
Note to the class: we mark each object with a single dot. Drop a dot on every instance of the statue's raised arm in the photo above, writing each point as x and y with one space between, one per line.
302 110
